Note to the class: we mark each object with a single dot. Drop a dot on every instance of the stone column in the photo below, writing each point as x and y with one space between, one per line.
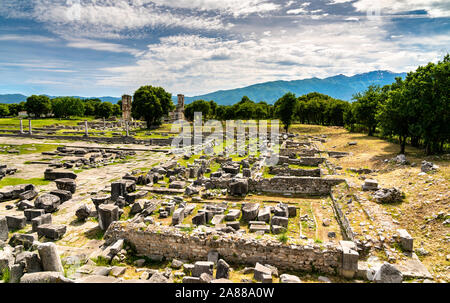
30 131
50 257
21 126
127 127
86 134
104 123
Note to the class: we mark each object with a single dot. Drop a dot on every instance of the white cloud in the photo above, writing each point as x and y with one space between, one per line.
192 64
435 8
27 38
297 11
102 46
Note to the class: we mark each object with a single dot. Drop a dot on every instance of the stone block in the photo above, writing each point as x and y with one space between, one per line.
38 221
52 231
107 213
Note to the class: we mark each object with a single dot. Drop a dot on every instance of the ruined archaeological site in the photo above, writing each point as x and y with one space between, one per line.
336 207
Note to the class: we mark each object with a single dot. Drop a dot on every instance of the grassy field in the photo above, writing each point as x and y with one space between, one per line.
8 181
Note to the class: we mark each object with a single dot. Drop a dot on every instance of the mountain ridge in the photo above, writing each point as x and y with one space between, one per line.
338 86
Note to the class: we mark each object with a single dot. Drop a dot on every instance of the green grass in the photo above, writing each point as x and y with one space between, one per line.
26 149
283 238
6 275
15 122
8 181
295 166
267 174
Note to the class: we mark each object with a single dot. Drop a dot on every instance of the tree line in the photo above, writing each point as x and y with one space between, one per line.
62 107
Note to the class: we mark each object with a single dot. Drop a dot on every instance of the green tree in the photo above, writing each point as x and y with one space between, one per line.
15 108
151 103
117 110
197 106
38 105
104 110
366 107
4 110
64 107
284 108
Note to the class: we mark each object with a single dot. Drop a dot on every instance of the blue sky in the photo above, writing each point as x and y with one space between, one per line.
111 47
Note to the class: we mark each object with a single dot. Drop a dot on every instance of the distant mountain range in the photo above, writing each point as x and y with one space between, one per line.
17 98
339 87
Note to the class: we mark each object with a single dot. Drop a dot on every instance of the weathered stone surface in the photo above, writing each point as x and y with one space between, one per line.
45 277
8 193
292 211
213 256
388 195
64 195
260 271
16 222
233 214
178 216
188 279
264 214
428 167
239 187
26 240
349 259
50 258
16 272
3 229
83 212
24 204
118 189
66 184
202 267
137 207
406 241
259 228
107 213
30 214
276 229
199 219
223 270
52 231
38 221
206 278
52 175
30 260
285 278
117 271
100 199
370 184
235 225
28 195
217 219
250 212
388 273
281 221
47 202
97 279
158 278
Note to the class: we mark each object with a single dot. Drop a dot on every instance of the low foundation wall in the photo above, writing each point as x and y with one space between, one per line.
170 243
294 185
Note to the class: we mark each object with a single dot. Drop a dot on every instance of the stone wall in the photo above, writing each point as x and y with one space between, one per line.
169 242
286 171
294 185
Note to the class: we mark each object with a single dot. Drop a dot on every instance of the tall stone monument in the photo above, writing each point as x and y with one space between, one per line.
126 108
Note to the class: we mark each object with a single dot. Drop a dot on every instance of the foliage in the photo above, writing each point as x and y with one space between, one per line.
284 109
151 103
38 105
65 107
366 106
4 110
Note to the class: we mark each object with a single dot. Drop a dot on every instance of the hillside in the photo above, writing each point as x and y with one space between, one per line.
17 98
339 87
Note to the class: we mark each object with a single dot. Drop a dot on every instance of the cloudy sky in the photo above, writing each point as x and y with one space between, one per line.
111 47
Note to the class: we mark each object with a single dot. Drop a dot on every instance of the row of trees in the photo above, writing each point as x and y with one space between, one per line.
415 110
61 107
245 109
